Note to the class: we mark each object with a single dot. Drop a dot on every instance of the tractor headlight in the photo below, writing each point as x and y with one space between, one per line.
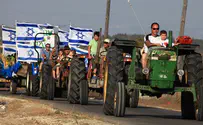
145 71
154 58
180 72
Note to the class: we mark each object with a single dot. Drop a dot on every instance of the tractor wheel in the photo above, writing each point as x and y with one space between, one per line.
34 88
76 78
119 100
113 75
13 87
134 98
200 104
48 87
193 75
28 83
84 92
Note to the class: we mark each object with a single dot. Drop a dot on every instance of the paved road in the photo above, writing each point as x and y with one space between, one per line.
138 116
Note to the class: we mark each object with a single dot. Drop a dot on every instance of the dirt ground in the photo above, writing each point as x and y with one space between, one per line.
26 112
165 102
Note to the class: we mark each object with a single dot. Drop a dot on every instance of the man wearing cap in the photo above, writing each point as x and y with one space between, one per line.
102 55
103 50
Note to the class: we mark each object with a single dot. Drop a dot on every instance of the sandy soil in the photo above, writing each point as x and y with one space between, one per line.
26 112
165 102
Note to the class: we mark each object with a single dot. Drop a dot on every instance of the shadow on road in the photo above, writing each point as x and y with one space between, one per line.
153 116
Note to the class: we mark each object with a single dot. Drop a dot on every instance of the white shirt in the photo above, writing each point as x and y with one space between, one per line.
152 39
165 42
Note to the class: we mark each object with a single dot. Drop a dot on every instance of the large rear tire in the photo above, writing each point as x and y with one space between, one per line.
48 87
77 76
115 75
193 75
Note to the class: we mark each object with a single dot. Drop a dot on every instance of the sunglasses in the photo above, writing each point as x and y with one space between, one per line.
155 28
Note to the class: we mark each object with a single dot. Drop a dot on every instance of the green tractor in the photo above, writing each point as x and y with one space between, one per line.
171 69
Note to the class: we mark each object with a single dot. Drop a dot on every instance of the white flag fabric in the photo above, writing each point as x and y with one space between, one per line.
26 34
28 54
8 39
79 39
63 35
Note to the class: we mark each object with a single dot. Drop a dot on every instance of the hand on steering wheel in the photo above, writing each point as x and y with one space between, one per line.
89 57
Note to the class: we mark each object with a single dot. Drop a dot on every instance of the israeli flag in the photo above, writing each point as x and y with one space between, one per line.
79 39
26 33
63 35
27 53
8 39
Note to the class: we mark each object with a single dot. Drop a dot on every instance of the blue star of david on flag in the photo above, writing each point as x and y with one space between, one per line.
30 53
66 36
30 32
12 36
80 35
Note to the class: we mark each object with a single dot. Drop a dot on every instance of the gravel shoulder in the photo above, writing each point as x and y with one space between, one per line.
23 112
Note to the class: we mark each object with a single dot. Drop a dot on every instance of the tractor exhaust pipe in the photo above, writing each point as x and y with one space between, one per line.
170 39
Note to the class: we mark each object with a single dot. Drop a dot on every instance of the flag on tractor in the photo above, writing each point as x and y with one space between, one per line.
29 33
63 35
79 39
8 40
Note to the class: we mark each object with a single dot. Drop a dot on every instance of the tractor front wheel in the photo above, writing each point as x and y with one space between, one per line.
84 92
134 98
119 100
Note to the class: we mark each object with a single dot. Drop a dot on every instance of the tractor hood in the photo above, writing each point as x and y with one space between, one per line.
162 65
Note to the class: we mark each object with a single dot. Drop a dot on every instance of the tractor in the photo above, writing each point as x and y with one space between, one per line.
47 85
79 79
170 70
80 75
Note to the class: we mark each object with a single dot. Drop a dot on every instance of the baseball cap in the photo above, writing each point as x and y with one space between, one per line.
107 41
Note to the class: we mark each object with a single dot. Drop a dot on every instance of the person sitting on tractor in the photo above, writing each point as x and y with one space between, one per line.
164 40
149 41
66 60
56 62
92 50
102 55
45 56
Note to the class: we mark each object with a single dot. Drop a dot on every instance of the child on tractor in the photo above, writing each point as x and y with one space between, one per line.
164 40
55 71
92 50
65 61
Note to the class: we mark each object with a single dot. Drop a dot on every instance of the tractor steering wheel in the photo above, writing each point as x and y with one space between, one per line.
102 53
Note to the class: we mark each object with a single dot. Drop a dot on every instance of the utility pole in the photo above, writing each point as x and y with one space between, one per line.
183 18
106 32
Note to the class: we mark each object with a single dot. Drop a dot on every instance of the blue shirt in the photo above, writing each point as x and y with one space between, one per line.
47 54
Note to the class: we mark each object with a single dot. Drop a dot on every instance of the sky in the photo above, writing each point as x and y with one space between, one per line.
91 14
